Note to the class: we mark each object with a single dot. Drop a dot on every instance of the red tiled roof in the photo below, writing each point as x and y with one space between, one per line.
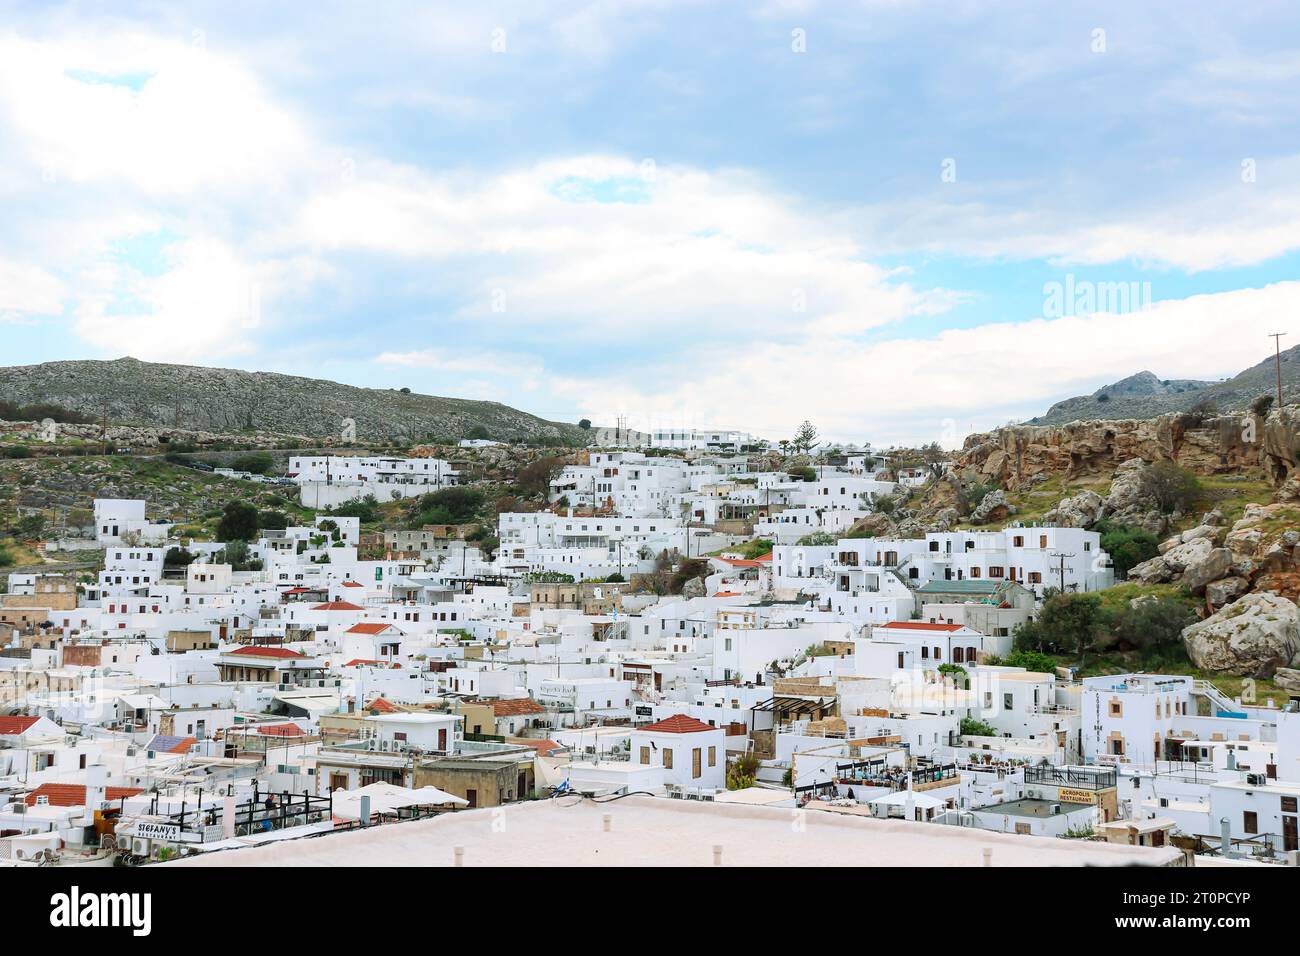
297 591
516 706
74 794
677 724
281 730
922 626
352 584
384 706
365 628
16 725
358 661
338 606
728 594
543 747
267 652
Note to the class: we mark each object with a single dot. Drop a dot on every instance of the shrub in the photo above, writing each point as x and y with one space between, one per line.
972 727
1127 546
257 463
1172 488
1031 661
238 522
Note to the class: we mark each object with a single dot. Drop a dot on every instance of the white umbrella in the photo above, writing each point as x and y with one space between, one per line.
386 798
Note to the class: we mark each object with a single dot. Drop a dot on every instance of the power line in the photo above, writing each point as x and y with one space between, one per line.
1277 347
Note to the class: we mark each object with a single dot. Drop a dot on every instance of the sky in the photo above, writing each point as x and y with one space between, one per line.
902 221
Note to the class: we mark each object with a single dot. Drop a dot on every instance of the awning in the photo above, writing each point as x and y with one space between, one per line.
386 798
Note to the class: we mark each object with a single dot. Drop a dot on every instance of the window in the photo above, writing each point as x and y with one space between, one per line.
695 763
1249 821
1288 804
645 755
668 759
713 762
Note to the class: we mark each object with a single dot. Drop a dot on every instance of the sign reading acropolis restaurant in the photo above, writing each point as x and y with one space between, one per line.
1069 795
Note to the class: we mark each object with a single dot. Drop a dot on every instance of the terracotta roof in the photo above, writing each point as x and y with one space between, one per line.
267 652
16 725
365 628
384 706
163 743
352 584
543 747
74 794
922 626
358 661
281 730
338 606
677 724
728 594
516 706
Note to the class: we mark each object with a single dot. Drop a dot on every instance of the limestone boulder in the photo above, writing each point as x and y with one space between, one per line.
1078 511
1255 634
1215 565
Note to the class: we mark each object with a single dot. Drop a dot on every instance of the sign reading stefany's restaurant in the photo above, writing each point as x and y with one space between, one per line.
147 830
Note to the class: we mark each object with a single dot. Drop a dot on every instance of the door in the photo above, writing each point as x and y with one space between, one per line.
1290 838
442 738
472 797
338 781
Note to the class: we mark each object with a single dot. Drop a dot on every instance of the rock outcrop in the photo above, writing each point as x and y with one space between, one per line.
1014 455
1252 636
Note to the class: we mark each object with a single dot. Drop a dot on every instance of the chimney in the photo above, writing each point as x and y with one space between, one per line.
96 790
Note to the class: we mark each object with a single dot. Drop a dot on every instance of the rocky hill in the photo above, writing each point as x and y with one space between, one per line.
1223 444
128 391
1145 396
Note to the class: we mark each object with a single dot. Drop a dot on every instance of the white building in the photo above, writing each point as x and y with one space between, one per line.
693 754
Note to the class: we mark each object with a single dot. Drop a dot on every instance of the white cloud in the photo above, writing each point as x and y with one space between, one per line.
156 116
27 290
912 390
207 304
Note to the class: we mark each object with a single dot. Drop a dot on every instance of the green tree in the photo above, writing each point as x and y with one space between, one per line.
1127 546
177 558
257 463
30 526
238 522
973 727
453 505
1031 661
272 520
1174 489
1154 622
1073 623
805 437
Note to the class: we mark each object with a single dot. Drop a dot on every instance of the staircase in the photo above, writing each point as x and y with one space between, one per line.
1217 698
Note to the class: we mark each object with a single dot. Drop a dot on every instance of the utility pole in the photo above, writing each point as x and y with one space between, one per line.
1062 556
1277 349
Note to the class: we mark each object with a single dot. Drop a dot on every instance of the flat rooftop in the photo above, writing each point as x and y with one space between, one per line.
654 831
1030 807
